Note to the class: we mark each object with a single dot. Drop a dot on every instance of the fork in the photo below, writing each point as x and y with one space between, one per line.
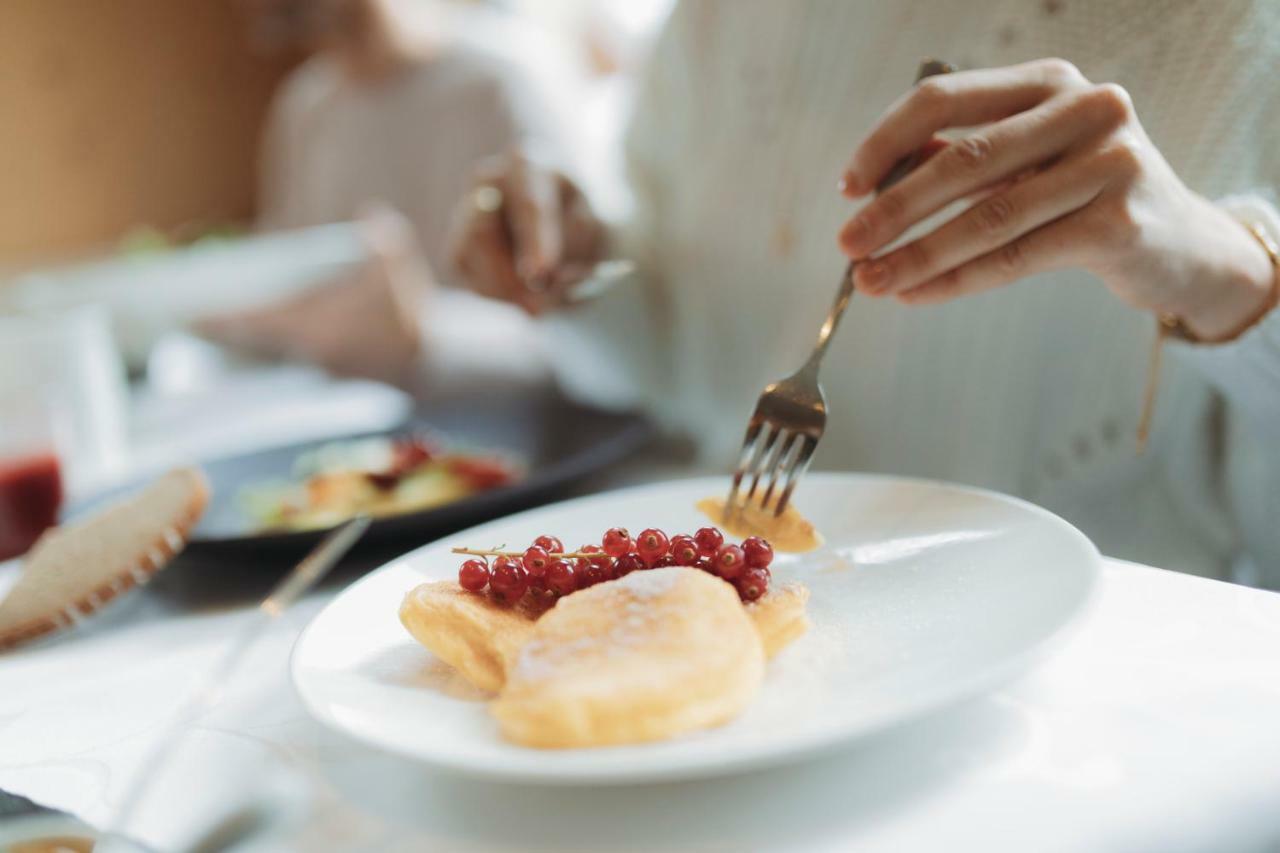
791 413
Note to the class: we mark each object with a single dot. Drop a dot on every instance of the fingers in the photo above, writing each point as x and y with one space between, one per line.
584 237
962 99
532 206
1054 246
985 157
521 231
985 227
493 247
485 256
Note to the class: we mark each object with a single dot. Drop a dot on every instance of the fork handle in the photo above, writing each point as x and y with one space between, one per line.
844 291
843 294
897 172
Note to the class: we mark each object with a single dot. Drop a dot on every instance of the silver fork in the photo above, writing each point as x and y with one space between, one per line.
791 413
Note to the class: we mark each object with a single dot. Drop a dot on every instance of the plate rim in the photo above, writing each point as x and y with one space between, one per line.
777 753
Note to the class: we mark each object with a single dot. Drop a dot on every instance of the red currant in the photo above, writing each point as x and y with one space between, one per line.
550 544
706 564
582 562
474 575
684 550
592 574
759 552
627 564
617 541
729 562
753 584
535 561
509 581
652 545
709 540
561 578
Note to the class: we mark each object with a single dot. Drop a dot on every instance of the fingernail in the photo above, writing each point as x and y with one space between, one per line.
873 276
855 235
848 185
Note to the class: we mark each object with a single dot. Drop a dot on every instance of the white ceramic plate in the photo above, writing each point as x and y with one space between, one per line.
924 594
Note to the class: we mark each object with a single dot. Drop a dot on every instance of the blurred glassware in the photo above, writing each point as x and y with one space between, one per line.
30 473
62 395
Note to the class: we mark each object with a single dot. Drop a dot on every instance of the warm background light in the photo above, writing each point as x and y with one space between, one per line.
124 113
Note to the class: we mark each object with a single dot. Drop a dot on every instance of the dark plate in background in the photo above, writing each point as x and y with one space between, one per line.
558 441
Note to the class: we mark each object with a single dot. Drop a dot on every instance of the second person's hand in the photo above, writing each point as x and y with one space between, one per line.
524 233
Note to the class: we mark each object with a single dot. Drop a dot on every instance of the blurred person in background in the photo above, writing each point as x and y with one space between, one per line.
1132 182
382 123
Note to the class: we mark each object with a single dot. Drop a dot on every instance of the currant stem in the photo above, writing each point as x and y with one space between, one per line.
493 552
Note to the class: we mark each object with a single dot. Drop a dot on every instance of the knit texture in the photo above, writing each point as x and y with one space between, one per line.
747 116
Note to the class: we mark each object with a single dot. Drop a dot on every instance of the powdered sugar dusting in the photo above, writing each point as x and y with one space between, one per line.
540 659
651 583
788 588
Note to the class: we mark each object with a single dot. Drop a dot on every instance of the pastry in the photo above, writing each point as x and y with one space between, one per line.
780 616
474 634
480 638
646 657
788 532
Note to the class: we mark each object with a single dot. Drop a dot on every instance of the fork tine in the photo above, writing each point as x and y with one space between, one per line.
776 466
748 444
756 469
798 466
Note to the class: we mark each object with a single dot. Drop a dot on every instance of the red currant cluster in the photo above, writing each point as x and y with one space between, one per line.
546 571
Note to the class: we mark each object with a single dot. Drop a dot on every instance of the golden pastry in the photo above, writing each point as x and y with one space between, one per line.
477 636
789 532
646 657
480 638
780 616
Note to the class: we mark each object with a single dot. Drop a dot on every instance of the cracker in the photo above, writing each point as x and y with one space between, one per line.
77 568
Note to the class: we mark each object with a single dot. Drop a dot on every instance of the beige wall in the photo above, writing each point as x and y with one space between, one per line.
115 113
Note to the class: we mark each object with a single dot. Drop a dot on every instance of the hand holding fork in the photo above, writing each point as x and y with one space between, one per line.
791 414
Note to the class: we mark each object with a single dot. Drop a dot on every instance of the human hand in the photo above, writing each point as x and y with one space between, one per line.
525 233
1061 174
364 322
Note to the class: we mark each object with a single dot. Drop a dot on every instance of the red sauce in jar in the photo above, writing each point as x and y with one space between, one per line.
30 495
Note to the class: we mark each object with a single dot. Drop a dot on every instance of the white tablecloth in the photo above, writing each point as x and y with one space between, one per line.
1156 726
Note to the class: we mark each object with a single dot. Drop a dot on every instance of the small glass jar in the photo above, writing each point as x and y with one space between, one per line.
30 470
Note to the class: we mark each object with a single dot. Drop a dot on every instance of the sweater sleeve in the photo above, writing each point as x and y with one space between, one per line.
607 349
1247 369
1246 372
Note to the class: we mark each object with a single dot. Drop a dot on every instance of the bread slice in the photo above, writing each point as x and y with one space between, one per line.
77 568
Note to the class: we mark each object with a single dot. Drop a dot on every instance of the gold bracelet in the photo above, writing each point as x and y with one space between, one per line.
1171 326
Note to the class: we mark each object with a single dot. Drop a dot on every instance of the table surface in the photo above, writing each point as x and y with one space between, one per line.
1155 725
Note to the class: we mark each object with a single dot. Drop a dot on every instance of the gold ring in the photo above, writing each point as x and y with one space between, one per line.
487 198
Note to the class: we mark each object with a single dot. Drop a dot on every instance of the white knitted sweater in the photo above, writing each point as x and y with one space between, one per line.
745 119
